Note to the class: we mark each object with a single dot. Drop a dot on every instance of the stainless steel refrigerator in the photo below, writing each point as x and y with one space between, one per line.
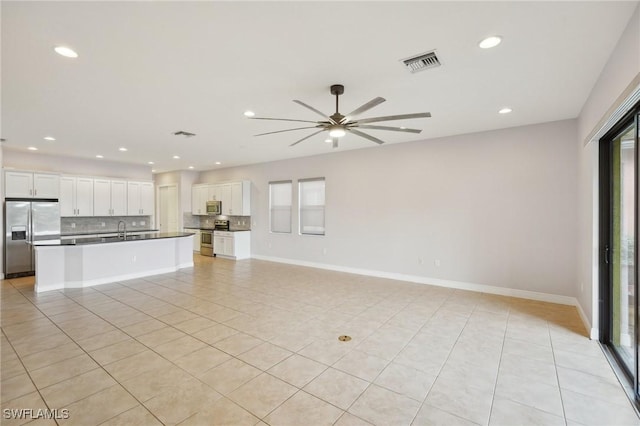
27 221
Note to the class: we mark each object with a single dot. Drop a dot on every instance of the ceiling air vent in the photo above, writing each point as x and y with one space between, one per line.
183 133
422 62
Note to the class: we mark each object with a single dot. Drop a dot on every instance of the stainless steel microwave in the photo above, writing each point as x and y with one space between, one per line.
214 207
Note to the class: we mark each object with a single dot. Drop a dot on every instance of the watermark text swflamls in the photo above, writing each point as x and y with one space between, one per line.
35 413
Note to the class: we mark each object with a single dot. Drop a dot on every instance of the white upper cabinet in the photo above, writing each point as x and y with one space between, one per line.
102 197
76 196
31 185
146 198
118 197
213 193
140 200
199 198
110 197
224 192
236 198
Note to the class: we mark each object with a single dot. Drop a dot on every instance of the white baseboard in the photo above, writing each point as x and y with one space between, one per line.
461 285
482 288
593 332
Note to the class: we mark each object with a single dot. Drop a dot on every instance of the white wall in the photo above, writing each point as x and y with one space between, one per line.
496 208
28 160
622 69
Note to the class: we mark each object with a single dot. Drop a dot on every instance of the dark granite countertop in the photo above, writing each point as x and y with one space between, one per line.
213 229
104 240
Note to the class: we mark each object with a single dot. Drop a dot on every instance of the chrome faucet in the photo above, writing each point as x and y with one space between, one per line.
124 232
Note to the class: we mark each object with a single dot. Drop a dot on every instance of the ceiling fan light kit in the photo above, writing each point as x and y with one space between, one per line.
338 124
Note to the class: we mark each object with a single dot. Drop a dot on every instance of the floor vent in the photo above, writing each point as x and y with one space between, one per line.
183 133
422 62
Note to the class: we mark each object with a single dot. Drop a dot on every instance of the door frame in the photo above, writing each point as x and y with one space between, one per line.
605 293
178 215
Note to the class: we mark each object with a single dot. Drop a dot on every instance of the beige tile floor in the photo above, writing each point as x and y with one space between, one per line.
254 342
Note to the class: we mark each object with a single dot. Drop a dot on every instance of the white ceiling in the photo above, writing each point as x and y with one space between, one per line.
147 69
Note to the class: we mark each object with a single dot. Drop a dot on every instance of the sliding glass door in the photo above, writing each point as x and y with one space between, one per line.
619 193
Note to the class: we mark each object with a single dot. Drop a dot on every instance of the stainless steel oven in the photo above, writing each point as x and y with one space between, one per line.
206 242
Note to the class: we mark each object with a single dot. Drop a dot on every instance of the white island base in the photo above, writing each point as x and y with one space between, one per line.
85 265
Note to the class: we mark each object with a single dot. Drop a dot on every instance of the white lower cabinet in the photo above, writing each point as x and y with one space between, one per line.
235 245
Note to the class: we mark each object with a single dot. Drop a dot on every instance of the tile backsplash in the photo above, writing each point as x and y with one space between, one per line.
81 225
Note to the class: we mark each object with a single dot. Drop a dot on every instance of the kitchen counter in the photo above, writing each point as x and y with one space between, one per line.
213 229
67 234
85 262
104 240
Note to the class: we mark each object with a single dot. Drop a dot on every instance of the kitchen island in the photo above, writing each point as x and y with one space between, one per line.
85 262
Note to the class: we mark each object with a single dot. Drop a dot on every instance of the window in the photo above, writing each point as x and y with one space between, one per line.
280 206
311 206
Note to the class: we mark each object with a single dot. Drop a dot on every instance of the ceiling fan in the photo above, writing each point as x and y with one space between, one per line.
338 125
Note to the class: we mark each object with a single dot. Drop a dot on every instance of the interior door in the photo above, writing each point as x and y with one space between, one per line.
168 205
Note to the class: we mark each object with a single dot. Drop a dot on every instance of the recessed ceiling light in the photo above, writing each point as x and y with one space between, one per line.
49 138
249 113
505 110
176 157
153 170
490 42
123 149
403 128
65 51
328 140
191 167
32 148
218 163
150 162
99 156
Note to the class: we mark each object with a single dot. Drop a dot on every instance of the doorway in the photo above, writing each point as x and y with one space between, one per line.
618 236
168 208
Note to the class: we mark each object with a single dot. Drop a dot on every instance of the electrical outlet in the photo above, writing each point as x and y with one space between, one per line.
73 225
133 224
102 224
324 251
134 258
420 261
437 262
142 223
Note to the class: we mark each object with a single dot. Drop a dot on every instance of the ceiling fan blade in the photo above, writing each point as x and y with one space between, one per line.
395 129
281 119
365 107
307 137
325 116
288 130
395 117
366 136
335 142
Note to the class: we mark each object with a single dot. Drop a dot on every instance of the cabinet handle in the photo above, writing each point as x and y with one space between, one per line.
35 192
